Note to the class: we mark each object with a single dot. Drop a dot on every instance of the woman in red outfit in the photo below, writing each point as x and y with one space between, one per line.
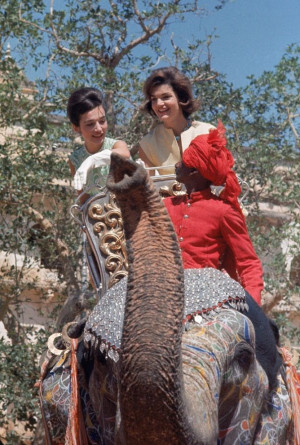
207 225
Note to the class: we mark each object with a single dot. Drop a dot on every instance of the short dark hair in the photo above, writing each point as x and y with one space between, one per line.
178 81
83 100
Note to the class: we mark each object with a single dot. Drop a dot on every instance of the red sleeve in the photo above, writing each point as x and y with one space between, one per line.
247 263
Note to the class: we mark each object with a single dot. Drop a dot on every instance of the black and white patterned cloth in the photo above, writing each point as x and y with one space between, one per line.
207 291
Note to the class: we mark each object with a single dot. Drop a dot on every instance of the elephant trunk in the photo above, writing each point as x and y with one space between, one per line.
151 384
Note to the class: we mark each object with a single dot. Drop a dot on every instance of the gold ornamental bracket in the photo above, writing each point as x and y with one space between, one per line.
104 242
108 228
101 221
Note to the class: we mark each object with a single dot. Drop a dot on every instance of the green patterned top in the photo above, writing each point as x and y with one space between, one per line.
96 175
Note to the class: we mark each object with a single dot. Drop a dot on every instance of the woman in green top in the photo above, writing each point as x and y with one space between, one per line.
89 163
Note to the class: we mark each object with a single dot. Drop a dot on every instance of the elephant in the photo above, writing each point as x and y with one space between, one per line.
168 356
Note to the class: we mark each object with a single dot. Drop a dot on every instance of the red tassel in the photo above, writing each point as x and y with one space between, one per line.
75 434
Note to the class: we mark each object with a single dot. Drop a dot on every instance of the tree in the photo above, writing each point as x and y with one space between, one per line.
270 127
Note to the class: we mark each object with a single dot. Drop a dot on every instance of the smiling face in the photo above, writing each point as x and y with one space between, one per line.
93 128
166 107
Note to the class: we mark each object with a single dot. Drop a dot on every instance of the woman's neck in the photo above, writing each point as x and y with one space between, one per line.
92 148
178 125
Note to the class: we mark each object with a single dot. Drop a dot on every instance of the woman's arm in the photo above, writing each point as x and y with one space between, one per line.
146 161
85 196
121 148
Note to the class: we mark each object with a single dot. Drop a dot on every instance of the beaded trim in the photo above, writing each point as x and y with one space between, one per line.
207 291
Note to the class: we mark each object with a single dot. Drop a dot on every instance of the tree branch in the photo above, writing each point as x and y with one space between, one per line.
148 33
269 301
118 54
62 249
44 98
34 25
290 121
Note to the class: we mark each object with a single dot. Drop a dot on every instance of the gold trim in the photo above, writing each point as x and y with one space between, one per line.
109 229
172 189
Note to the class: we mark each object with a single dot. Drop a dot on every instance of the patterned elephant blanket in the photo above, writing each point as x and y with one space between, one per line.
210 319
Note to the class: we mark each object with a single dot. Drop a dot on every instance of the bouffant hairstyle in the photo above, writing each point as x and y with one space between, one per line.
83 100
180 84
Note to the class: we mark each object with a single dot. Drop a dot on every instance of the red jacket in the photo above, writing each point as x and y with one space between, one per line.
206 228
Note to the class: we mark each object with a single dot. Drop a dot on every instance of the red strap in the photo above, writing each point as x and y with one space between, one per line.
76 433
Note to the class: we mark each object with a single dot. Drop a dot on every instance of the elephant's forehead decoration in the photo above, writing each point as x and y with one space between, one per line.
207 291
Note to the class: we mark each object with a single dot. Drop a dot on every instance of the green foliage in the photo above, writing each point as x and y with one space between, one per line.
19 371
270 127
34 212
290 335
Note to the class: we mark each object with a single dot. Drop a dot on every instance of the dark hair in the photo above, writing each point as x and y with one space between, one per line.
180 84
83 100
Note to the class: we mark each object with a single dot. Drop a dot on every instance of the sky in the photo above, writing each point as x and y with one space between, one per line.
253 36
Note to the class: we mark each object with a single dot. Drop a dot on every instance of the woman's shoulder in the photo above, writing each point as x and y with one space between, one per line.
202 127
78 148
196 129
156 131
77 154
108 143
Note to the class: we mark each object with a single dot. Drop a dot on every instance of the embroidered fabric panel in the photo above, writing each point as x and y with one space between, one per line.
56 401
244 408
246 412
56 390
276 424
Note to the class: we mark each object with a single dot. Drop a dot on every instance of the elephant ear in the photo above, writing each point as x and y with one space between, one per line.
244 356
241 360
